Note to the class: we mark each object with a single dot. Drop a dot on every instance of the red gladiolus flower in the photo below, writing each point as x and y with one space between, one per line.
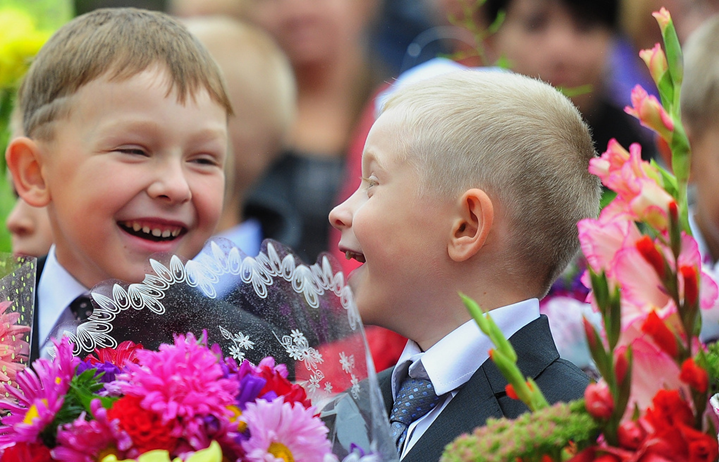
660 333
649 251
702 447
691 284
669 409
695 376
144 427
621 367
598 400
510 391
631 435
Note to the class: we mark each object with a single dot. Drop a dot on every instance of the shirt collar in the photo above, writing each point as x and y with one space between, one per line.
467 346
56 289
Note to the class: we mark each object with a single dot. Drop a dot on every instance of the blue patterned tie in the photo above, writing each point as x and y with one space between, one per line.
415 398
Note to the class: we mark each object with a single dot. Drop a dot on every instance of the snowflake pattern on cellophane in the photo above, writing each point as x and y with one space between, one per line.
252 307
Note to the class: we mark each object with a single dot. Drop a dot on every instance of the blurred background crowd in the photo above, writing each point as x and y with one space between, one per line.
304 75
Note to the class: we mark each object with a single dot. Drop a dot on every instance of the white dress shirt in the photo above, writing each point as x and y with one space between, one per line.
452 361
56 289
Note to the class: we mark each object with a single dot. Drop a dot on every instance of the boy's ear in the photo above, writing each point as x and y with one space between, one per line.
471 225
22 159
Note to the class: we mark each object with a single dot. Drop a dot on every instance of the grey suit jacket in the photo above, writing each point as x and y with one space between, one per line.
483 395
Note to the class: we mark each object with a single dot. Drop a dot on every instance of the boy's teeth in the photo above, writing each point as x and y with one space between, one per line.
156 232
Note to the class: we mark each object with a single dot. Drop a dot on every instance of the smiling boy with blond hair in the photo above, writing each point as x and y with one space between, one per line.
473 182
125 116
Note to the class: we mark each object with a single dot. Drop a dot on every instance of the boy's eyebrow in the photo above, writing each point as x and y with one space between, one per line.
368 158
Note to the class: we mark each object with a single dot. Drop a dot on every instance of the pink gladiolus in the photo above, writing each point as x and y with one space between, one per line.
690 256
652 370
656 62
650 113
663 18
651 205
612 160
601 240
642 290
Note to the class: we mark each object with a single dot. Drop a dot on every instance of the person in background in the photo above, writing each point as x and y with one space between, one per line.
326 42
261 88
30 231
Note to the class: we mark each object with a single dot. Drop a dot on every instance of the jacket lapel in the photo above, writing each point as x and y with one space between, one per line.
480 397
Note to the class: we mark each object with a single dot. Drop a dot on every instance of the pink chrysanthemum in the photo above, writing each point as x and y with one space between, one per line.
12 348
281 431
40 396
184 384
85 441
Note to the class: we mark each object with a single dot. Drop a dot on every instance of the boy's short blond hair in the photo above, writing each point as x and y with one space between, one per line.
117 43
700 89
519 140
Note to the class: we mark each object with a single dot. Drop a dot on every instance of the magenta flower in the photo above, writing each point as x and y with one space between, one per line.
650 113
83 440
40 396
12 348
282 431
183 383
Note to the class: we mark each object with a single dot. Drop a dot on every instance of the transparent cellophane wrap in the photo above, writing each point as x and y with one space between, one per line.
252 307
17 303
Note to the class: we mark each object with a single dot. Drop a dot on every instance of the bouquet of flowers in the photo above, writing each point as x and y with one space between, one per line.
125 402
99 396
645 272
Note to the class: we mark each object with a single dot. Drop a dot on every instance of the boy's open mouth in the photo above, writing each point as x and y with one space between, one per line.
154 232
349 255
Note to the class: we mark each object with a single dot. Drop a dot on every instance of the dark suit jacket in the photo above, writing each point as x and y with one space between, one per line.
35 342
483 395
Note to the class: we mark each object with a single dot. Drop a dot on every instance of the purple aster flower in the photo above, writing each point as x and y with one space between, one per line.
40 396
284 431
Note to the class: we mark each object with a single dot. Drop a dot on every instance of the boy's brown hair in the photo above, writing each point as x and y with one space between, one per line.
523 143
117 43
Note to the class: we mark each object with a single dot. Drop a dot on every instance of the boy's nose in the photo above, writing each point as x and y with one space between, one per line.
19 223
341 216
171 185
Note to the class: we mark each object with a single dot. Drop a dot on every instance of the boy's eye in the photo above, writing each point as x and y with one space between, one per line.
133 151
370 182
208 160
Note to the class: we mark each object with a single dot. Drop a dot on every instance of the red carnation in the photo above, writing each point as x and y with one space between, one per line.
26 452
282 387
144 427
117 356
